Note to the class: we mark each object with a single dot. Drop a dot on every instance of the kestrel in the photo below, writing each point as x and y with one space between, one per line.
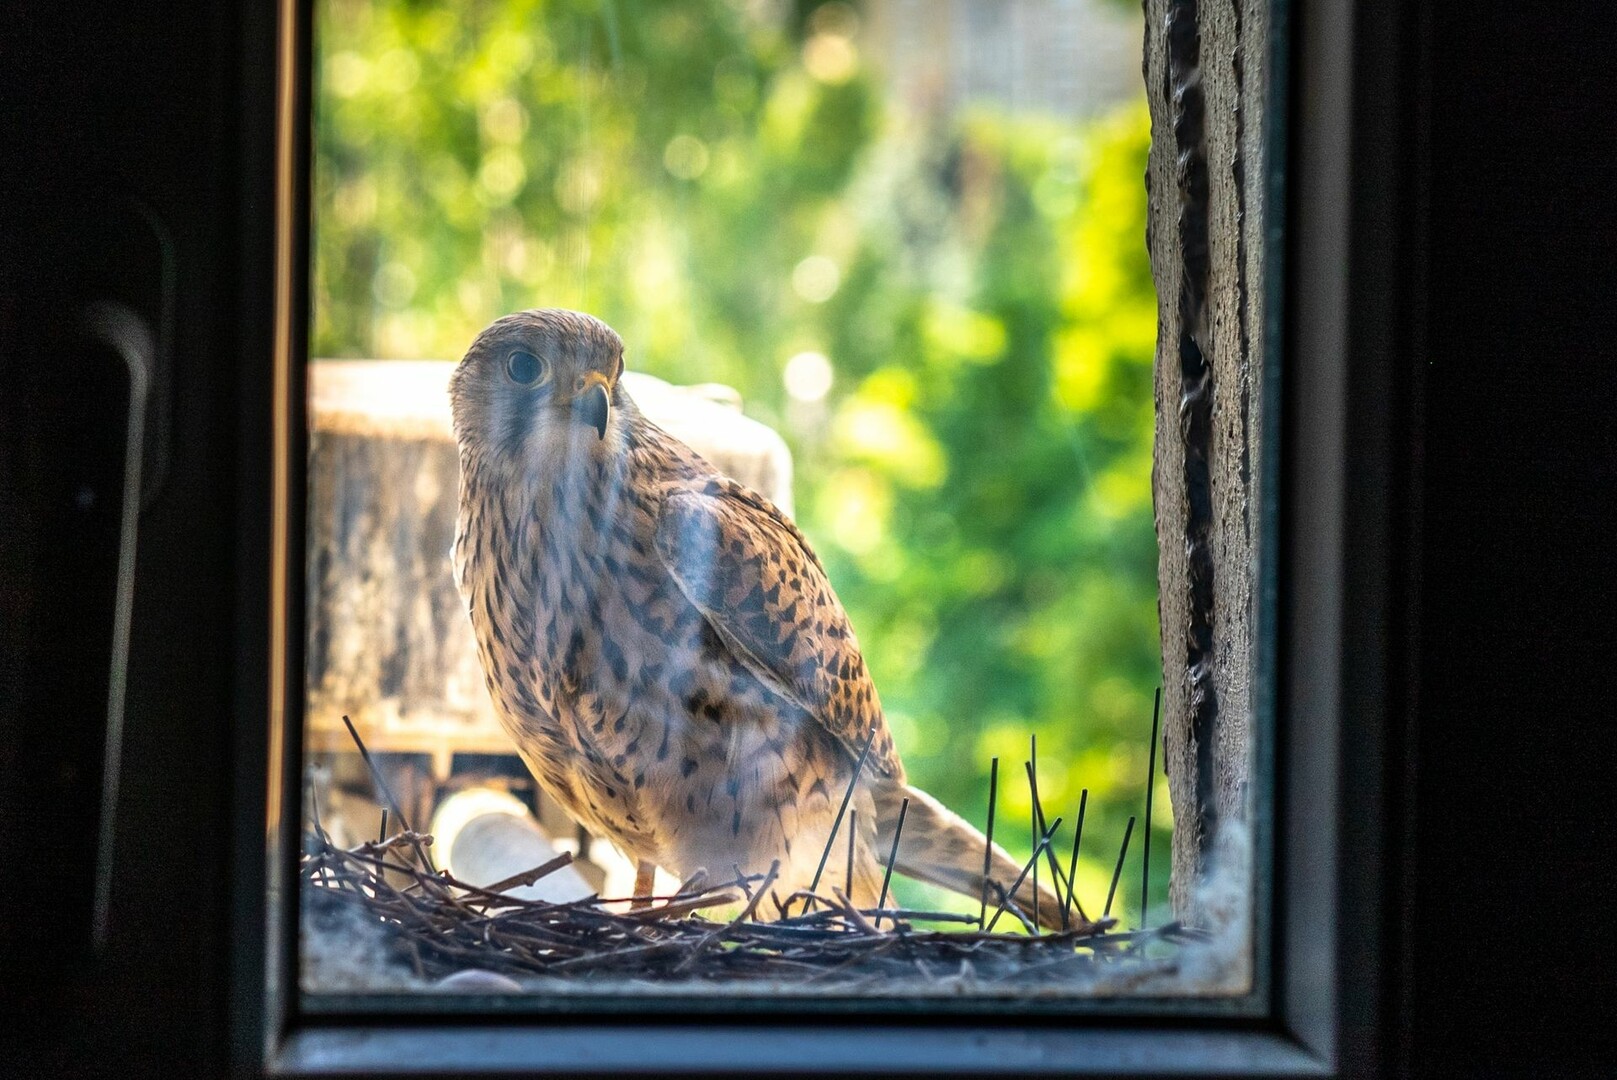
662 643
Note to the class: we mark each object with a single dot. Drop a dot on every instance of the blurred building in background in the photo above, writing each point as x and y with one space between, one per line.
1072 59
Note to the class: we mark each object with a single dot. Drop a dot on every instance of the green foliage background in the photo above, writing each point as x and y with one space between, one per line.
977 480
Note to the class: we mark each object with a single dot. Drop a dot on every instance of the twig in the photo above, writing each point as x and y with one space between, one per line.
1036 827
1072 865
1038 850
1057 882
694 883
1150 785
314 810
853 833
909 915
381 786
376 776
696 903
988 840
852 913
314 815
1118 872
746 913
892 856
528 877
847 796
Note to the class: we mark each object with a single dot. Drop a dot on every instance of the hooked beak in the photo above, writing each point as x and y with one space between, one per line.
593 402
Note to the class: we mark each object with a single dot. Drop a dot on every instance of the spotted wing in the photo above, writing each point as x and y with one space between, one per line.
752 574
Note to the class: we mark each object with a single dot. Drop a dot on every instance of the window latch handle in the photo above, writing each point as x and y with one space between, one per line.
128 337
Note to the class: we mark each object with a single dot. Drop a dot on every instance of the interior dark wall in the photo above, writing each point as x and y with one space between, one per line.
132 170
1512 769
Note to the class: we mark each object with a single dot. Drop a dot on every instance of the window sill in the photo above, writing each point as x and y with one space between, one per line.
752 1051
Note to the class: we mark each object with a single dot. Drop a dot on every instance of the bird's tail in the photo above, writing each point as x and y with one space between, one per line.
939 846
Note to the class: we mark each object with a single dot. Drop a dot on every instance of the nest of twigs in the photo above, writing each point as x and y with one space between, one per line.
435 926
438 928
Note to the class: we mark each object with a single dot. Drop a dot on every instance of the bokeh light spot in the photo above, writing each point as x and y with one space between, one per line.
830 58
346 74
501 175
816 279
394 285
808 376
686 157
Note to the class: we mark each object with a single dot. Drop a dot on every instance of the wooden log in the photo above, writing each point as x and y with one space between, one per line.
389 643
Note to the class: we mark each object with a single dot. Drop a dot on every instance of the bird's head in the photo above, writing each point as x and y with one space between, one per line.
539 389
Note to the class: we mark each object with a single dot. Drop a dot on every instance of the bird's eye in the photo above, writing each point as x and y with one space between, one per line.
526 369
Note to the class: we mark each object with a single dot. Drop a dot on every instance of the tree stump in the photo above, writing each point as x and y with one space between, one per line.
1206 80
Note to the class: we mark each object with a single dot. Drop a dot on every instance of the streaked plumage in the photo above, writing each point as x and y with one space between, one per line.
660 641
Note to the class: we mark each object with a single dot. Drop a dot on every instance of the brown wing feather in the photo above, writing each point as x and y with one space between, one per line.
754 577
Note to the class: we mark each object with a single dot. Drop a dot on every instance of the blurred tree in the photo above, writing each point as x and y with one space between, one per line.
951 320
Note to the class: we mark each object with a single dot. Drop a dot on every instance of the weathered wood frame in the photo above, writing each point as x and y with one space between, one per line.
1207 71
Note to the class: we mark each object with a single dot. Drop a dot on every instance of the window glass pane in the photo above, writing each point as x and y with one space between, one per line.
878 279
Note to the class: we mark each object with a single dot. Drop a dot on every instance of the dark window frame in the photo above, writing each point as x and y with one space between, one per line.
1341 610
